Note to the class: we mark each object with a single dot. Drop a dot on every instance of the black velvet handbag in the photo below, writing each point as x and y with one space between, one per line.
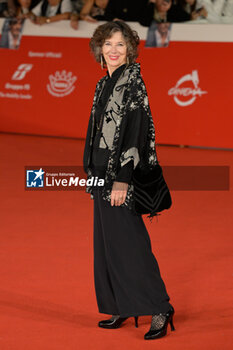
151 193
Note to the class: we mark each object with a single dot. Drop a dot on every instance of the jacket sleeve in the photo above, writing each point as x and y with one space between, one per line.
88 148
138 139
110 12
176 14
147 14
125 172
134 142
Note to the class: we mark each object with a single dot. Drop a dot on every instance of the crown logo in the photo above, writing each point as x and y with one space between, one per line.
61 83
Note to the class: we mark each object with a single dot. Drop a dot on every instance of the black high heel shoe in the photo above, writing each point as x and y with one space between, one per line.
115 322
155 331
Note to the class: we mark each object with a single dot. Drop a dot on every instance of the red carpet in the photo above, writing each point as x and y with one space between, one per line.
47 298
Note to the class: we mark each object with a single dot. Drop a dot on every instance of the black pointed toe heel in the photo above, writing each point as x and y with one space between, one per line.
136 321
171 324
159 332
115 322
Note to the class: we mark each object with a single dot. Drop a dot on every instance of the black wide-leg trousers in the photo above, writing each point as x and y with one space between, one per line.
126 273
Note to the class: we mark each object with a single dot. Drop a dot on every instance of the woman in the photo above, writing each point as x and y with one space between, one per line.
195 8
48 11
162 11
23 7
120 136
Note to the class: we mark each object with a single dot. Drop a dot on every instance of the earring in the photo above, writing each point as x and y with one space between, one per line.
127 60
101 62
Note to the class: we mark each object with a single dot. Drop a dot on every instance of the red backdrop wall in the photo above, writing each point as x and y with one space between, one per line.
31 101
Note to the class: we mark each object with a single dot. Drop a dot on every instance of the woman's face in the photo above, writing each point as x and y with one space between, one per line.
163 6
114 51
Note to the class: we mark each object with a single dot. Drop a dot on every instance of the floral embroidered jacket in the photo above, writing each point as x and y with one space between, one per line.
127 129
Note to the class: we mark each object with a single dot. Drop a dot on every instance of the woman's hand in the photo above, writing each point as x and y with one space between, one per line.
203 12
118 194
90 19
74 21
40 20
194 15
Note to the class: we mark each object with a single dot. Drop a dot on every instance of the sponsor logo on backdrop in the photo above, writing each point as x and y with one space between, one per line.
17 91
45 54
59 178
187 90
15 95
17 87
61 83
21 71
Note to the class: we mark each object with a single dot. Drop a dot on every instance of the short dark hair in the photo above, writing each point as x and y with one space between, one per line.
105 31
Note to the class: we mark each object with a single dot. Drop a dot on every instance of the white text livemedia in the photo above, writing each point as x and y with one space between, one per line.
74 181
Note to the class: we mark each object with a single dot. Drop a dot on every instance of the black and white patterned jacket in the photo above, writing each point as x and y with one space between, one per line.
128 128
